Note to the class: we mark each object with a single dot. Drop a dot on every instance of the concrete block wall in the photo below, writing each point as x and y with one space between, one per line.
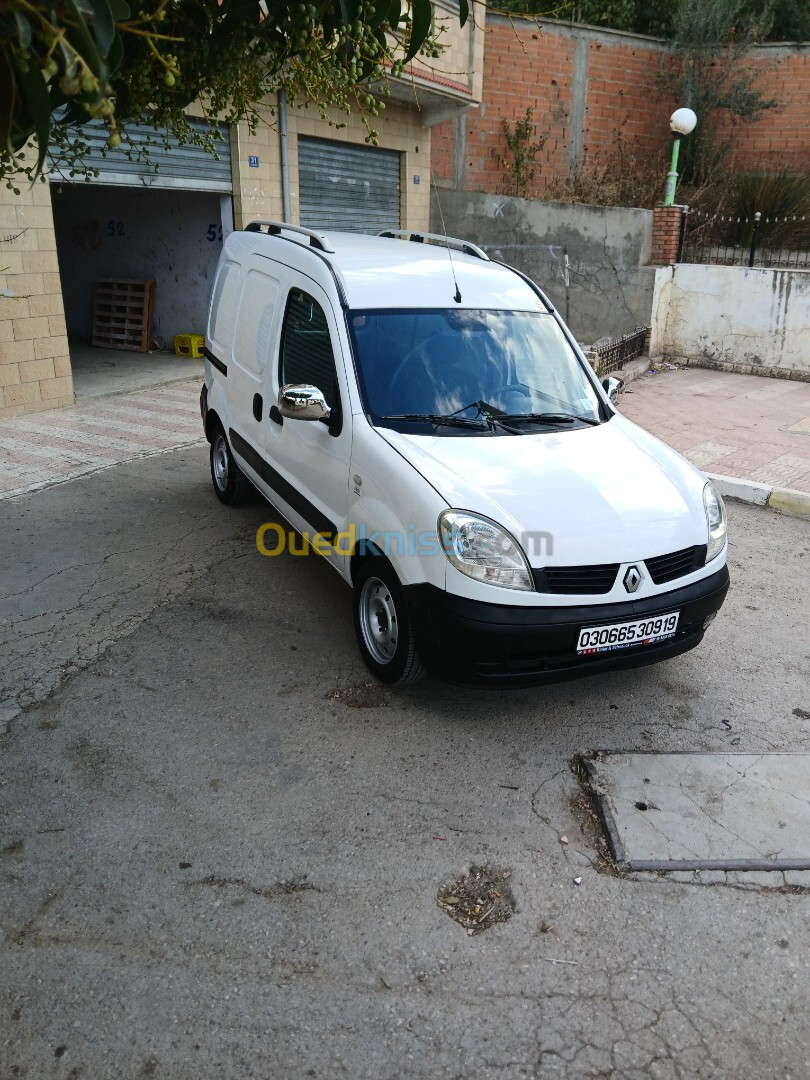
34 361
610 284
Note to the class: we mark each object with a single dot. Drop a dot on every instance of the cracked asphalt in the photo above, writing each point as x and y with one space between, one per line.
221 845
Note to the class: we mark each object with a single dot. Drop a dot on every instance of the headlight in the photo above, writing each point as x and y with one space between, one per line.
716 520
483 550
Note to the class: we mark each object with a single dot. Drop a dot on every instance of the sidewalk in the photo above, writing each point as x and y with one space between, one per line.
50 447
748 428
742 426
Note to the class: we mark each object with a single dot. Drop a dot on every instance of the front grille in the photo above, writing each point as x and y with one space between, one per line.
572 580
665 568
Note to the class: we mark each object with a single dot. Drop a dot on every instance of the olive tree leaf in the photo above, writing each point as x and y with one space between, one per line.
88 49
38 102
421 18
23 30
103 25
8 93
463 11
348 9
393 13
115 55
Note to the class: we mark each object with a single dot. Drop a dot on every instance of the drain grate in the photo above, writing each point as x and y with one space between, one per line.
693 811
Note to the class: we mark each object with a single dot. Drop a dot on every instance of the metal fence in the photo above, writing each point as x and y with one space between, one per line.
613 354
762 240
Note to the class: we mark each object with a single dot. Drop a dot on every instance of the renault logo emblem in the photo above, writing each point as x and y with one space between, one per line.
632 579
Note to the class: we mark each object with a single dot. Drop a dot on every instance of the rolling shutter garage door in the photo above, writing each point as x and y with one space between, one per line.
188 167
354 188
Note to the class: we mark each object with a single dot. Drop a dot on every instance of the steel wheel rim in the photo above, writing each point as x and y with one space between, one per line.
378 620
219 459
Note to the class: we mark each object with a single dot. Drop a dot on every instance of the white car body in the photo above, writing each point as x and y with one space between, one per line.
585 495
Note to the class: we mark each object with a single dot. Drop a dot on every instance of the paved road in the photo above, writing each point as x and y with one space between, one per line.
220 846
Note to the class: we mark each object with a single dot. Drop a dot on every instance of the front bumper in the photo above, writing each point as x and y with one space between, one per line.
467 641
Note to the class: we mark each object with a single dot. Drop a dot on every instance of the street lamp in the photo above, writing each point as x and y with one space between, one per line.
681 123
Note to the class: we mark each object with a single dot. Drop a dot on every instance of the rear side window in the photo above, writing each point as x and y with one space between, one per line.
222 304
255 321
306 348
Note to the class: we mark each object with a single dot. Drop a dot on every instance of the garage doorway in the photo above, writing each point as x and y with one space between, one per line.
132 223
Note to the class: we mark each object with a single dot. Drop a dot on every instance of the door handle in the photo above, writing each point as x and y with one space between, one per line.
275 415
257 406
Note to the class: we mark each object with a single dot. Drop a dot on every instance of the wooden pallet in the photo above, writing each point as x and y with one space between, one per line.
122 313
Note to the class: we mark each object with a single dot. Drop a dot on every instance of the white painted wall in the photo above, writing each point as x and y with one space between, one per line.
749 319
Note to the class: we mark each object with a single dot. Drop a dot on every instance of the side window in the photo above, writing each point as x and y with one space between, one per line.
222 303
306 349
255 321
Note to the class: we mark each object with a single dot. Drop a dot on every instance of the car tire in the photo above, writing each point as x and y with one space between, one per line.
231 486
382 625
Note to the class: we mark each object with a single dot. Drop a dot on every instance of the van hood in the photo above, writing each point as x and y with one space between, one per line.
611 493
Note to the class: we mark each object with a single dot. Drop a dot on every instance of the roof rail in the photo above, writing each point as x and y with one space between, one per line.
276 228
446 241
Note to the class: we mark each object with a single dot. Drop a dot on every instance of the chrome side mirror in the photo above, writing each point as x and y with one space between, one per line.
300 401
613 387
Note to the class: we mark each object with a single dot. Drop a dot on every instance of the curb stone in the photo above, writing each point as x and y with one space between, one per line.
786 500
633 369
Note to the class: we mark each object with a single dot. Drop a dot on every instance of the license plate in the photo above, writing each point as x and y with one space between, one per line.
613 636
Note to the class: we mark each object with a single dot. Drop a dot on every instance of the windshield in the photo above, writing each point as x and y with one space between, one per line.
477 369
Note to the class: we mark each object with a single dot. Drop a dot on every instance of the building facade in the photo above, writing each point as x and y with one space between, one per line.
132 223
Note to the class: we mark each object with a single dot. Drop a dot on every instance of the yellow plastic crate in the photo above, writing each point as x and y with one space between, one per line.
189 345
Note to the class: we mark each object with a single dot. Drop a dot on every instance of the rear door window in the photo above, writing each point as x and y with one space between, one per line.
254 325
223 302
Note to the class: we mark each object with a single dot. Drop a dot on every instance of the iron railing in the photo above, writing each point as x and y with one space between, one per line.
730 240
613 354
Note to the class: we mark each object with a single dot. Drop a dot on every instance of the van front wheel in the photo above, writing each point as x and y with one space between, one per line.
382 626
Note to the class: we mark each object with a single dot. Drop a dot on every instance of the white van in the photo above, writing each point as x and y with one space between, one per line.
424 417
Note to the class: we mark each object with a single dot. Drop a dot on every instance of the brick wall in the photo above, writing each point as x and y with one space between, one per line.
34 359
782 136
590 87
623 95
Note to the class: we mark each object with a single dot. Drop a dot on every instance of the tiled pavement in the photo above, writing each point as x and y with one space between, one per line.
743 426
48 448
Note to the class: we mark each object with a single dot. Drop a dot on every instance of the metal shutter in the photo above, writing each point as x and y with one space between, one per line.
187 167
354 188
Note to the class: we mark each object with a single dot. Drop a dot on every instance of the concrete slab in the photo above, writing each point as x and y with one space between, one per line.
107 372
692 811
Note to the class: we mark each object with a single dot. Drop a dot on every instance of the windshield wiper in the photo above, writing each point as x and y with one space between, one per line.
449 421
546 418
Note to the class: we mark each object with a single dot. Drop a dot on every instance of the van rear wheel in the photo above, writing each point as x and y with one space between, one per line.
230 484
382 626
